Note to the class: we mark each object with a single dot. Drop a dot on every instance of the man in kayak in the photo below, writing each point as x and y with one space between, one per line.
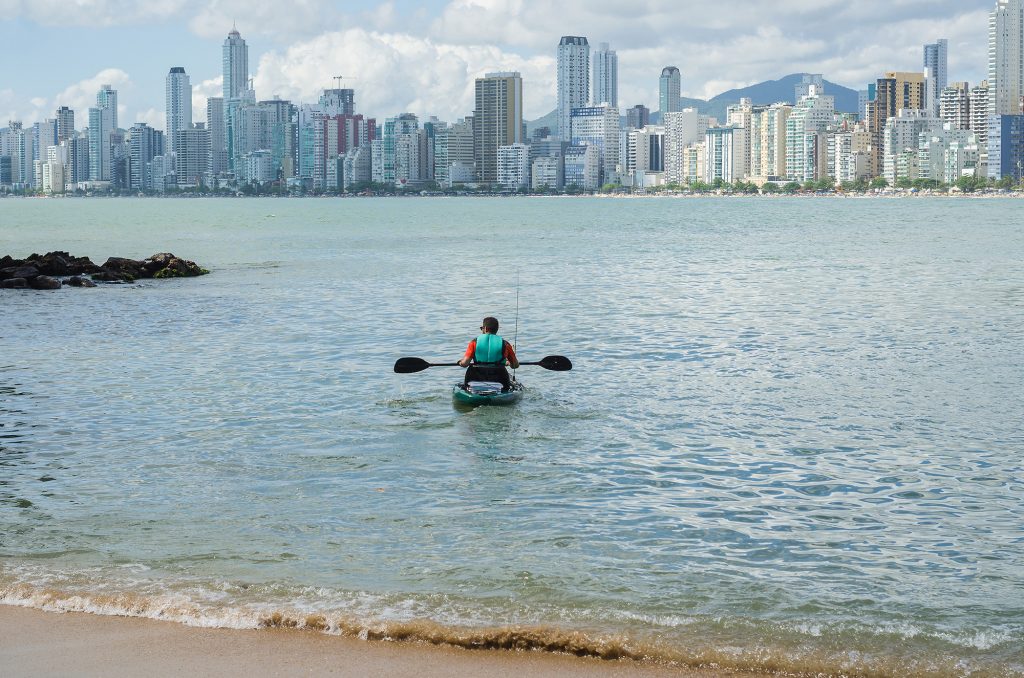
487 355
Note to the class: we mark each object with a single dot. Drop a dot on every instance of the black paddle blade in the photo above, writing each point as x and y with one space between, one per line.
556 363
410 365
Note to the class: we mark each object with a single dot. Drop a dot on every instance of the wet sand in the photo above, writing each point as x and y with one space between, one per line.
36 643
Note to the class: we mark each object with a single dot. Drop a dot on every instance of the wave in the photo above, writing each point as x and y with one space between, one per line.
762 659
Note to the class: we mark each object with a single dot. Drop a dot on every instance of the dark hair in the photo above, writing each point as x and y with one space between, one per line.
490 325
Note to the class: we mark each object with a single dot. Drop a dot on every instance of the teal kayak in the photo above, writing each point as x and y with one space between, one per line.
486 393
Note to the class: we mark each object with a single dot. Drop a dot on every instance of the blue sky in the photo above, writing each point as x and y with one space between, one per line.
422 56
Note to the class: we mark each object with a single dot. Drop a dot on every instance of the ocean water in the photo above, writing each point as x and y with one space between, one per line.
792 439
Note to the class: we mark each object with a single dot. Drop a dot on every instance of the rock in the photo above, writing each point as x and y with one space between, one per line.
62 263
45 282
13 284
107 276
7 261
123 269
171 266
80 281
19 272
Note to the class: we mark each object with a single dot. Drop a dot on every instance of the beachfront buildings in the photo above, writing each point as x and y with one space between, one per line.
513 163
573 80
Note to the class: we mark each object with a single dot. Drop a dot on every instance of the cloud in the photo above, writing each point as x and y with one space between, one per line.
91 13
81 96
152 117
398 72
214 87
269 19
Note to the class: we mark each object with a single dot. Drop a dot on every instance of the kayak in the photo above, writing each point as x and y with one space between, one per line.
486 393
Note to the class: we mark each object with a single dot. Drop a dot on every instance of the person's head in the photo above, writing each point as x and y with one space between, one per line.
489 325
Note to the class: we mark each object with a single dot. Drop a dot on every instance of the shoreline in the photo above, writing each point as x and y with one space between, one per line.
42 643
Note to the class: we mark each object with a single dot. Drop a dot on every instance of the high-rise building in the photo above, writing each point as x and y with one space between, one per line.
338 102
514 166
955 105
901 143
179 104
740 115
980 101
573 79
1006 147
895 92
218 136
723 154
497 120
65 123
806 139
606 76
598 126
935 65
1006 58
639 117
102 123
453 145
808 80
668 91
192 157
145 144
768 142
235 65
683 129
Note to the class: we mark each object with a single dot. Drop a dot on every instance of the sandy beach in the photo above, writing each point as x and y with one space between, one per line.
36 643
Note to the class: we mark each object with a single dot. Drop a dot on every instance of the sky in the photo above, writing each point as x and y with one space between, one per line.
422 56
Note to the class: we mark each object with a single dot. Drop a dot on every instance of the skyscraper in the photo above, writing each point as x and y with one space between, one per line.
935 59
497 120
102 122
606 76
573 79
235 66
218 136
179 105
668 88
1006 58
65 123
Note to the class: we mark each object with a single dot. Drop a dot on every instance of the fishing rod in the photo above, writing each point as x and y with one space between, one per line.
515 336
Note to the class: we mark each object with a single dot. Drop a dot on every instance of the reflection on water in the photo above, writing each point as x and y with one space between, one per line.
794 436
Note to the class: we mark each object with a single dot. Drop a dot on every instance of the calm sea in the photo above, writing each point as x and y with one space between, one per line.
792 438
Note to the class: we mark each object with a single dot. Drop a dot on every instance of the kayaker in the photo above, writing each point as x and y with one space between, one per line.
487 355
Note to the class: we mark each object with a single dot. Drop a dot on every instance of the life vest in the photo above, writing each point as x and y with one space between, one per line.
490 349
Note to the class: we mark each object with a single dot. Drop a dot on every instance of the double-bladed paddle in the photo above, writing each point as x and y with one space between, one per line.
555 363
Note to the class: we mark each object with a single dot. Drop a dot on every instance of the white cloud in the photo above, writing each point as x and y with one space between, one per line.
214 87
269 19
81 96
152 117
90 12
394 72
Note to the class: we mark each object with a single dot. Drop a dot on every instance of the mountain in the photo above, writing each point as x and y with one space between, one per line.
768 92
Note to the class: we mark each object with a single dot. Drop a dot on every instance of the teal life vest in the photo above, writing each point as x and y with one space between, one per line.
489 350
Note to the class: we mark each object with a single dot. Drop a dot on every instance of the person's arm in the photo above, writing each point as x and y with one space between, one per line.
510 355
468 357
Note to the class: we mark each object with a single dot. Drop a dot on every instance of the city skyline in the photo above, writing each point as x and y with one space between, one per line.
289 58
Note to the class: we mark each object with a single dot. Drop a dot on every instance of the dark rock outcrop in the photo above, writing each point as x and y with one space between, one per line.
54 265
80 281
13 284
44 282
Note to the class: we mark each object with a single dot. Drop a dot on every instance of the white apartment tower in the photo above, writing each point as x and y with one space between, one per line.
606 76
573 80
179 104
1006 58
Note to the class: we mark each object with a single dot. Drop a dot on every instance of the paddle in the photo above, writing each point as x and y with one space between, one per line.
555 363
